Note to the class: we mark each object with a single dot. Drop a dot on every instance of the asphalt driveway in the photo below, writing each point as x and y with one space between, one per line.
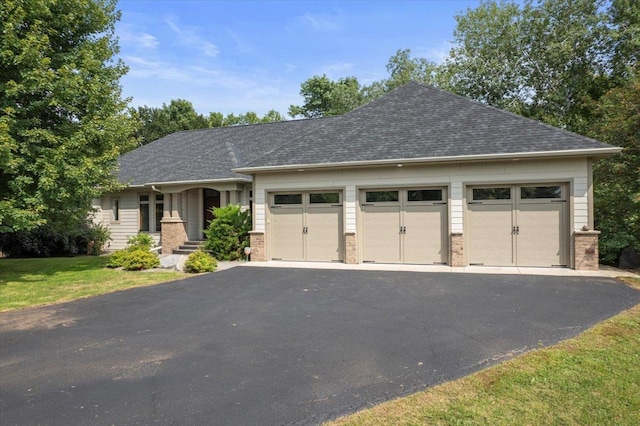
278 346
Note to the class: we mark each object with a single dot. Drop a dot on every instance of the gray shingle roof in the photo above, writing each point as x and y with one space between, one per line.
207 154
412 122
418 121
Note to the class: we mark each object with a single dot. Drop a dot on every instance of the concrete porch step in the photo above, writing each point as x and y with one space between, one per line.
194 243
188 247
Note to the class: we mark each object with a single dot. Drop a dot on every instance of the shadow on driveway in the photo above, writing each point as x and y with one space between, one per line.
279 346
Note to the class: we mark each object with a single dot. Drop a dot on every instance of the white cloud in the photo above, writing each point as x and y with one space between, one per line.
136 39
335 69
435 54
188 36
143 68
323 23
289 67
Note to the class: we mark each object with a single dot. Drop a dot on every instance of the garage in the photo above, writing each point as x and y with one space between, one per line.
404 225
517 225
306 226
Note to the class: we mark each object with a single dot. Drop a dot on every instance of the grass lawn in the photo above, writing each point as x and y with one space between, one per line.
591 379
33 282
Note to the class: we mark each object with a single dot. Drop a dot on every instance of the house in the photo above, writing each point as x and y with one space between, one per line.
417 176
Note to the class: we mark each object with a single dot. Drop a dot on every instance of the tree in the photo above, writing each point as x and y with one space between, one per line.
403 68
617 192
217 119
63 122
324 97
156 123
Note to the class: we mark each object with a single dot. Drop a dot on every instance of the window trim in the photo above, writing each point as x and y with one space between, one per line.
115 210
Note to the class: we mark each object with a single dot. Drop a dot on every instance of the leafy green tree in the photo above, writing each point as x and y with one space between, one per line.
403 68
324 97
217 119
63 122
617 189
156 123
542 60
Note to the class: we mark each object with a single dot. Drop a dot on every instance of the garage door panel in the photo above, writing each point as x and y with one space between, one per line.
518 225
540 239
286 233
424 239
381 234
490 229
324 233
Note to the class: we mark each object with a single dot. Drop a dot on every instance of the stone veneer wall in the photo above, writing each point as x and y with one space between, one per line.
457 249
174 233
351 249
585 245
258 249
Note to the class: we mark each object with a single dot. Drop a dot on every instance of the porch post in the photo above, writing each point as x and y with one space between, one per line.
173 228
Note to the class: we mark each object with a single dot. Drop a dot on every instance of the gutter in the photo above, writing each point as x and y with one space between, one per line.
599 152
189 182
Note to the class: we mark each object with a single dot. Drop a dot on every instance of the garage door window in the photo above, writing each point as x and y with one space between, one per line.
534 192
287 199
424 195
483 194
324 198
382 196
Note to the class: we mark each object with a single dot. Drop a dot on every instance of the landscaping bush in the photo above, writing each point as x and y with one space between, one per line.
139 259
49 240
136 256
97 237
200 261
228 233
140 241
117 258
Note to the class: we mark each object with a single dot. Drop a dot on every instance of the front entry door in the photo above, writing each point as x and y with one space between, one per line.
210 199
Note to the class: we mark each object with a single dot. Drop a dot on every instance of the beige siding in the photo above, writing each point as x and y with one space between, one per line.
128 225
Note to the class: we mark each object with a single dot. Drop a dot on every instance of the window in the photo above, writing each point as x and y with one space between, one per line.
324 198
532 192
115 210
480 194
424 195
287 199
382 196
159 210
144 213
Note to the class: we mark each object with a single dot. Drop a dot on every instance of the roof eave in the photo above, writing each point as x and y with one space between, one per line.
591 152
190 182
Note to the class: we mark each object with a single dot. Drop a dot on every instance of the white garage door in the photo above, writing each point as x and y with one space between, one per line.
517 225
306 226
404 225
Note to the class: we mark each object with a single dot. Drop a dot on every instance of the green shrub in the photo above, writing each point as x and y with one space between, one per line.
116 260
97 235
228 233
141 240
139 259
136 256
50 240
200 261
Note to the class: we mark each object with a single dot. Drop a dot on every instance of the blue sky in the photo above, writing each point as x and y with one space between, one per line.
239 56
